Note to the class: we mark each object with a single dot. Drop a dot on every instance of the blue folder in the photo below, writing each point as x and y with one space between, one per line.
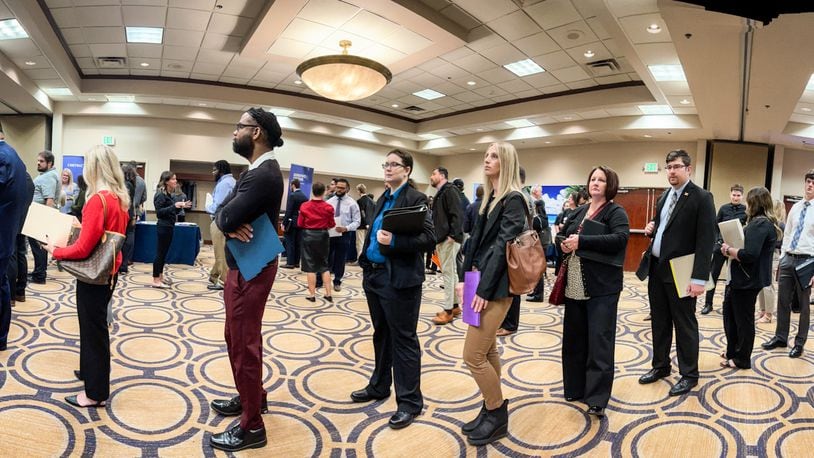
254 255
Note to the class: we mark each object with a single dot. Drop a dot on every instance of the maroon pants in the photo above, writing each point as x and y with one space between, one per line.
245 303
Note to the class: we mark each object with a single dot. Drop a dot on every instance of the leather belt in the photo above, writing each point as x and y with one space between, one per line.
801 256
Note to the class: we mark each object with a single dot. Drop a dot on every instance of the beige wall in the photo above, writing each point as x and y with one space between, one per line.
27 135
795 164
740 163
155 141
571 164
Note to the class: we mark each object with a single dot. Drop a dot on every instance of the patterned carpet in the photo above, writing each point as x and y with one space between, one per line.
169 361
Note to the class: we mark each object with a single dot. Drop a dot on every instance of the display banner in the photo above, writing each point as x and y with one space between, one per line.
305 175
73 163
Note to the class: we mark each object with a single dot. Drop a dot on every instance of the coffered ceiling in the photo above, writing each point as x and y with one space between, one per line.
603 63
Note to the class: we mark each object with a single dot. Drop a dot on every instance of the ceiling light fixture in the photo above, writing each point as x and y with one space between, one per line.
428 94
524 67
547 143
471 83
647 136
589 54
395 105
684 102
152 35
298 82
344 77
654 28
667 72
144 64
655 109
10 29
30 62
806 109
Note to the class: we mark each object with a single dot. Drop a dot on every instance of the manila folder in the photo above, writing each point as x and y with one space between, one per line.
681 268
732 233
48 225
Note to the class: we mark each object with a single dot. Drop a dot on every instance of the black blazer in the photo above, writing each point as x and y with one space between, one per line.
754 270
487 247
602 279
165 210
292 209
405 259
691 229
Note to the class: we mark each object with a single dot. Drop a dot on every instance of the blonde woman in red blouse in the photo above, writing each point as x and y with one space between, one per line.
316 217
105 182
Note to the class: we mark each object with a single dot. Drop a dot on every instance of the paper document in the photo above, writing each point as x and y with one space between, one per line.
732 233
252 256
681 268
332 232
209 200
470 316
43 221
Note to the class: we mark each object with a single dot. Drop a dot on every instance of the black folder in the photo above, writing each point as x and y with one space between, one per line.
591 227
405 220
804 273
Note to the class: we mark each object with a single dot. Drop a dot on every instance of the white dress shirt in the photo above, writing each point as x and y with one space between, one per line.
806 243
349 214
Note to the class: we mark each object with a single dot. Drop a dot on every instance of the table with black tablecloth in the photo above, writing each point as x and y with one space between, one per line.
186 243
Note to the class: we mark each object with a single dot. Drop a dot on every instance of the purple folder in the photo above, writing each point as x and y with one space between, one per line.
471 280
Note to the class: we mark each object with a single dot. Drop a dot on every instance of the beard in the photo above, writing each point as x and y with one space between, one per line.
243 146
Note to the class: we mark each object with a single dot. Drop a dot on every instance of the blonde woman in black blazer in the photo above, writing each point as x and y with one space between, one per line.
500 219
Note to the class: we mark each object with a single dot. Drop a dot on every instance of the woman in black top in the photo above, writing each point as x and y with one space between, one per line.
750 271
166 211
500 219
129 241
594 263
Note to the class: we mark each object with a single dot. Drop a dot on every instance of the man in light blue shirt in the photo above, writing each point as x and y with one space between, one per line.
349 218
47 187
225 183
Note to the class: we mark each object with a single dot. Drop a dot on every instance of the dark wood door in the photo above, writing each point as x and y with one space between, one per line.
640 206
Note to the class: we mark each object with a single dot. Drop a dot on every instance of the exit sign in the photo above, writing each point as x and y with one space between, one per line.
108 140
651 167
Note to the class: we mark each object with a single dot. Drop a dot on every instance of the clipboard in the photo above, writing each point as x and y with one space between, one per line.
264 246
591 227
681 268
405 220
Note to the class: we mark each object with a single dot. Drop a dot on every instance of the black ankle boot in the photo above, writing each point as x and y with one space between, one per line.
494 426
469 427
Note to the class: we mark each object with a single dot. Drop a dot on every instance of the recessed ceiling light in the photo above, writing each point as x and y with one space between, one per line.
547 143
395 105
471 149
589 54
567 118
518 123
30 62
428 94
524 67
655 109
684 102
121 98
10 29
58 91
810 85
154 35
471 83
668 72
654 28
298 82
144 64
479 129
647 136
805 109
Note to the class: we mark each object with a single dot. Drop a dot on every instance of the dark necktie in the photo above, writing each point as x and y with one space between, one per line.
673 200
338 205
798 231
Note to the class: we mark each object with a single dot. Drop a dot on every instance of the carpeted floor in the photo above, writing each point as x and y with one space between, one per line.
169 361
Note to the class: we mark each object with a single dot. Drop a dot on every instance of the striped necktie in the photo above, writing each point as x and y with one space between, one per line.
673 200
798 231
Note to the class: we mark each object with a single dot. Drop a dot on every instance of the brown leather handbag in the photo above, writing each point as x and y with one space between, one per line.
97 268
525 257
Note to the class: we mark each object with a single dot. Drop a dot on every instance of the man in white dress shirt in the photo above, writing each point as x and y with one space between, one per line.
347 211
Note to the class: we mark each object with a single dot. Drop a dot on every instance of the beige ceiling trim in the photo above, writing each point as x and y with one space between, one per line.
275 18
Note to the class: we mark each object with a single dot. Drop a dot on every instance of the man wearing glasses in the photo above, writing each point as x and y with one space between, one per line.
684 224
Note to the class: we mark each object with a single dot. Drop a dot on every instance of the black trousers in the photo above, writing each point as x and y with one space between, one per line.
718 260
94 340
394 313
351 255
293 243
669 311
338 255
5 303
789 292
429 264
588 343
164 240
512 320
40 259
739 324
18 267
129 245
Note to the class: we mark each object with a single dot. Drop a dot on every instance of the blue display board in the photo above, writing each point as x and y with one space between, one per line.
75 164
305 175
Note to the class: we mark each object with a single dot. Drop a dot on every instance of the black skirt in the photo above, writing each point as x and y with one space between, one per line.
315 247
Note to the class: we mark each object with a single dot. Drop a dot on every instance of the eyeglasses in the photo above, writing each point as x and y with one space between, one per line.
239 126
391 165
674 167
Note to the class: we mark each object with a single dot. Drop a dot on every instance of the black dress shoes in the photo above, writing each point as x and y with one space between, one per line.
775 342
214 287
707 308
683 386
401 419
364 395
232 407
78 375
235 439
596 411
572 398
289 266
654 375
796 351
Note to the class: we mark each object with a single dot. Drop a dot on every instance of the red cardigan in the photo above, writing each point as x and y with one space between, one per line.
316 214
94 225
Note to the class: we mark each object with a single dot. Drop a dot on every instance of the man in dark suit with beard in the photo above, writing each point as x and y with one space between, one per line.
684 224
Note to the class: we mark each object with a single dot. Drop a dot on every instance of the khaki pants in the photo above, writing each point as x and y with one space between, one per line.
219 268
480 351
447 252
360 241
767 298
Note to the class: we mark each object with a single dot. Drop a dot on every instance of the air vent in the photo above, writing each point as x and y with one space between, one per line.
604 67
414 108
111 62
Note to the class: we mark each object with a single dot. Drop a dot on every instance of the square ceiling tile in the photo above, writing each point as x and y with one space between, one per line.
178 37
574 34
405 41
489 91
537 44
307 31
593 114
154 64
176 65
332 13
212 56
515 87
447 70
144 16
179 53
527 94
239 71
475 63
459 16
487 10
555 60
503 54
384 55
103 35
482 38
290 48
41 73
570 74
207 5
20 48
66 17
370 26
208 68
554 89
221 42
514 26
497 75
269 76
184 19
99 16
229 25
596 26
246 8
73 35
108 50
553 13
459 53
541 80
143 50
